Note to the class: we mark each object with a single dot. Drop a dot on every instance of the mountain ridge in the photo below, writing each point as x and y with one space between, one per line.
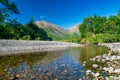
54 31
74 29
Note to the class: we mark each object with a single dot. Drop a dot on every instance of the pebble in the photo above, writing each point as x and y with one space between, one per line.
96 75
107 78
95 66
7 46
17 75
117 71
88 72
112 61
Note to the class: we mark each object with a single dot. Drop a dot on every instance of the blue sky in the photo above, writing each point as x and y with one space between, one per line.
64 13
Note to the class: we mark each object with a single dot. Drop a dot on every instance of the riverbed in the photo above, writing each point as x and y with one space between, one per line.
8 47
106 66
64 64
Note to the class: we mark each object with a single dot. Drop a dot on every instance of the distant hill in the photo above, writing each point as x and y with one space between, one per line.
74 29
54 31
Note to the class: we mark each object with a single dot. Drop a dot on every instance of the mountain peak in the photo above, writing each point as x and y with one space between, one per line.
74 29
40 21
41 24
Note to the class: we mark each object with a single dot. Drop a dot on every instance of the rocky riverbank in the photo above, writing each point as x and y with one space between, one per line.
107 66
20 46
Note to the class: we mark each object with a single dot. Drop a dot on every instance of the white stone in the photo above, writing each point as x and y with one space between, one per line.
90 59
118 57
106 78
116 78
111 77
98 57
95 66
88 71
108 58
92 73
105 55
93 59
113 58
117 71
96 75
119 76
104 68
84 62
103 60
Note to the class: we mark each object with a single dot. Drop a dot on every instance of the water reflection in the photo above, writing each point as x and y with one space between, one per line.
63 65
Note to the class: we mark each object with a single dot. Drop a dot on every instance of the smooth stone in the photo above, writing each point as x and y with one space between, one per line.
108 58
117 71
88 72
107 78
99 60
103 60
99 57
94 59
84 62
17 75
113 58
118 57
119 76
92 73
111 77
105 55
95 66
100 78
96 75
104 68
91 59
65 71
116 78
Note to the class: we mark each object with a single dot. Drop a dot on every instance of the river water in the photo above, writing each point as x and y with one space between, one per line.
64 64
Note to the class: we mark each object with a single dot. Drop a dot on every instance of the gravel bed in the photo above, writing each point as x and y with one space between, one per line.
14 46
107 66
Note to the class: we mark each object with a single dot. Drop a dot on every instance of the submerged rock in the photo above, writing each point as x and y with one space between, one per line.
111 64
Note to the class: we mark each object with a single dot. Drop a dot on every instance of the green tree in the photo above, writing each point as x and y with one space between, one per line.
35 32
6 9
99 29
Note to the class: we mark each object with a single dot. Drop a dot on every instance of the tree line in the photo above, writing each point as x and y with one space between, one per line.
99 29
12 29
93 30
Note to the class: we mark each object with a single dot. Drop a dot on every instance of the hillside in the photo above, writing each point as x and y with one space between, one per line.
74 29
55 32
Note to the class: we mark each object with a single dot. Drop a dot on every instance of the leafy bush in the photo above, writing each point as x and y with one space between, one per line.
100 38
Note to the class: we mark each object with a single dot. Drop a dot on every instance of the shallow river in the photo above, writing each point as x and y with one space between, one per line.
64 64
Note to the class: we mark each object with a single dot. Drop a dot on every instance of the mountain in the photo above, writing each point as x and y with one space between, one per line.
54 31
74 29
